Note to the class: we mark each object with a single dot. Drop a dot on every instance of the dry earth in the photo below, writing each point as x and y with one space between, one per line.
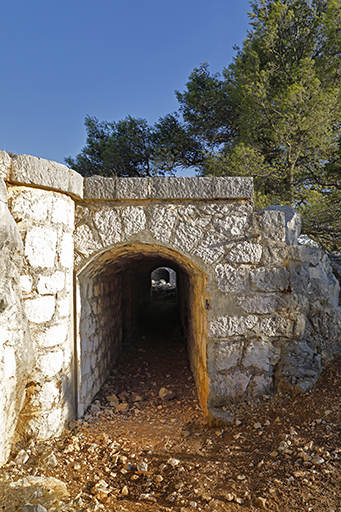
281 453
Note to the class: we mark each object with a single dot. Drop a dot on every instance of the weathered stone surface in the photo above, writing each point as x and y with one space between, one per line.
272 224
179 188
48 285
5 164
261 355
162 222
16 349
98 187
233 188
29 170
187 235
108 224
85 243
40 309
231 225
134 220
228 354
223 327
258 303
293 222
41 246
231 279
245 252
269 279
210 248
132 188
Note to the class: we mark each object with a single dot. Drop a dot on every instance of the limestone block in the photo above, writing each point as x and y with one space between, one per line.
261 304
228 354
46 396
132 188
317 272
16 350
26 283
85 243
29 170
245 252
325 261
53 336
3 190
134 220
48 285
98 187
272 224
261 355
187 235
231 279
314 256
276 325
66 250
33 204
299 367
260 385
8 365
40 309
162 222
40 246
63 211
64 306
226 326
108 223
48 424
233 188
269 279
333 290
210 248
180 188
50 364
5 164
292 222
231 225
230 385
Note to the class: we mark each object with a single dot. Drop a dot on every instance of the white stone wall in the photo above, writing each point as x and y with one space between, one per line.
46 222
99 334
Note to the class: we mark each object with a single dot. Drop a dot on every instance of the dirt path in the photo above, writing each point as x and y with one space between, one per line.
282 453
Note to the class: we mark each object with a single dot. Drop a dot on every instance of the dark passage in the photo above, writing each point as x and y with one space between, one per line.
154 351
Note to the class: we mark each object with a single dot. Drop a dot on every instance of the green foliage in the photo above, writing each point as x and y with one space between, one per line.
282 111
115 149
131 147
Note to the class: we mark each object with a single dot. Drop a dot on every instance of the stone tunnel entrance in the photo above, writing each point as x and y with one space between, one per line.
119 306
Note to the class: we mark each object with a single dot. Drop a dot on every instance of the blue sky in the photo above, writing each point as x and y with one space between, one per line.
64 59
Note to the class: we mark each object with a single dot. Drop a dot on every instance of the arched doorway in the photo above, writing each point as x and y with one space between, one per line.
114 305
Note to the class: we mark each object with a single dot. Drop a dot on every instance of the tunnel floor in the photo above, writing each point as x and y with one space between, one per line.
155 358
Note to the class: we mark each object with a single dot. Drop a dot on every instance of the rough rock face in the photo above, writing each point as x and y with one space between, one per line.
259 312
16 350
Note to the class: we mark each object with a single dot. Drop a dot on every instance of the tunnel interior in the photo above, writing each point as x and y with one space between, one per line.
121 304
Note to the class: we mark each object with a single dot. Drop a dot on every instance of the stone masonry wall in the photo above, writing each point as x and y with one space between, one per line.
16 350
262 312
45 220
100 334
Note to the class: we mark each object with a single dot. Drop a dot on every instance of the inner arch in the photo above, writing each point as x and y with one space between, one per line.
114 295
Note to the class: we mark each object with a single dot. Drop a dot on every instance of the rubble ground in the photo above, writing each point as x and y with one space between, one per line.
135 451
